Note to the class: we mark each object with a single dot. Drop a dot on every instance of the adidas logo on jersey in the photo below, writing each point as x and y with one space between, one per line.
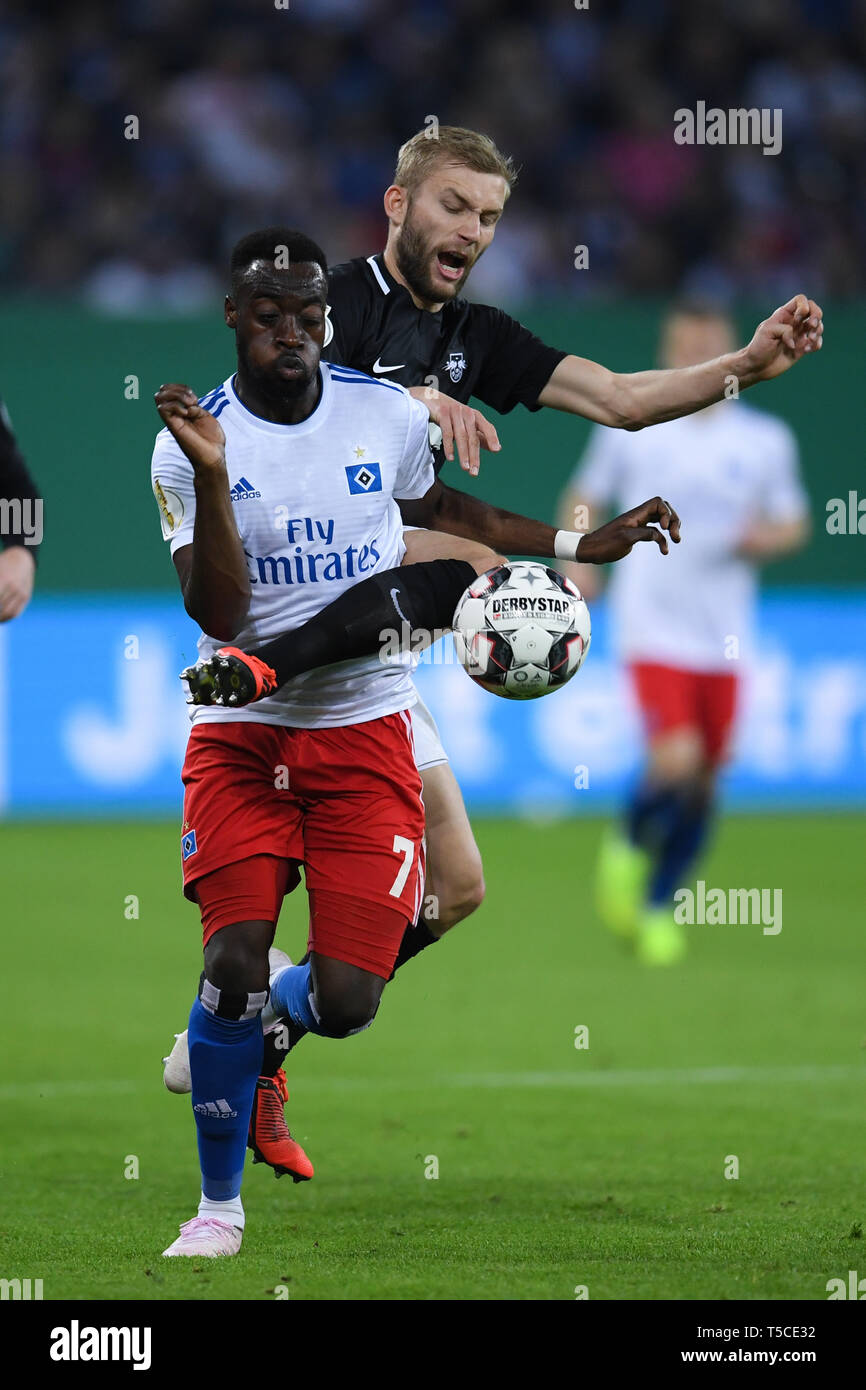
216 1110
243 491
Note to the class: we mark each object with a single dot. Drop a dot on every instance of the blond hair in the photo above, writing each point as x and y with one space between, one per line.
451 144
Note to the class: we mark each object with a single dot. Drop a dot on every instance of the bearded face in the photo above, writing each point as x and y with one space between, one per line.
449 222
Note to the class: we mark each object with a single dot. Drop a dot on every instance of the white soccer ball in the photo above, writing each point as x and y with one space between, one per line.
521 630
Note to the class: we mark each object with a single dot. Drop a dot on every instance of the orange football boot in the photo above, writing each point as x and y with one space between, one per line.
269 1136
229 677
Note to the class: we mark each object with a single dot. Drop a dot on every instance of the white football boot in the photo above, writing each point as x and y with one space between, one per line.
175 1074
176 1065
206 1236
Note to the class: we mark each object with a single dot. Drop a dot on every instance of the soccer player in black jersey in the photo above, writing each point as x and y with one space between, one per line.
399 315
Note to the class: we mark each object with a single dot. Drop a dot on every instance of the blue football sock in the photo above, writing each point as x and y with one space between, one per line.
649 814
290 997
684 837
225 1056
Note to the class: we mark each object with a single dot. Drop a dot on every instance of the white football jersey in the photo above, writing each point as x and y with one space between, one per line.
315 510
721 469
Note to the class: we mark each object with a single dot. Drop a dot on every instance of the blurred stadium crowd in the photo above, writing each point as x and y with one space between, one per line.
251 113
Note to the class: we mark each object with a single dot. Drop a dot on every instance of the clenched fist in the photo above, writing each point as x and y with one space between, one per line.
197 432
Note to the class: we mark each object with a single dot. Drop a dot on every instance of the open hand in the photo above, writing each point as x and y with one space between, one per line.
614 540
463 427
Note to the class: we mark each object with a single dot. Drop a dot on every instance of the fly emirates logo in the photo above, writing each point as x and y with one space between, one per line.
312 556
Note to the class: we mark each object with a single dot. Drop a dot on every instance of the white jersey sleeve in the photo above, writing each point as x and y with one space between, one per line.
416 474
173 487
782 495
598 477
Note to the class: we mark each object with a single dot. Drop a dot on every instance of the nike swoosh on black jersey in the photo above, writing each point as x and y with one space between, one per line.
395 594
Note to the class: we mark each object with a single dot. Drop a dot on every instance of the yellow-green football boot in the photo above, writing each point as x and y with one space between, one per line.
621 876
660 940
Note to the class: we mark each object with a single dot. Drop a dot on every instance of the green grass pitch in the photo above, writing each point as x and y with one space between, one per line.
558 1167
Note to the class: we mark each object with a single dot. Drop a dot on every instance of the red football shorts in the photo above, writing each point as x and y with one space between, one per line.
670 698
262 799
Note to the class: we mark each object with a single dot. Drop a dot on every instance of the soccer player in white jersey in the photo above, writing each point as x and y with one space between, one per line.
685 629
323 774
278 497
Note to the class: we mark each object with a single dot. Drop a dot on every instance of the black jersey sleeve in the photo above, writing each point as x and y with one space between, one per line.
16 484
348 311
516 364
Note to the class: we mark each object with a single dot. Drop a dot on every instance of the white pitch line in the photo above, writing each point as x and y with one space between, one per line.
690 1076
601 1080
526 1080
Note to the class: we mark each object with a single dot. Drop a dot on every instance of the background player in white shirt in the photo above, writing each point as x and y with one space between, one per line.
685 629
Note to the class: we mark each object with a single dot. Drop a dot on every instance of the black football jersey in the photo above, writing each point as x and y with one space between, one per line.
463 350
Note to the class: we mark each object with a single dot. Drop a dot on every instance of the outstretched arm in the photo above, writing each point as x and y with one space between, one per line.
446 509
405 608
632 400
